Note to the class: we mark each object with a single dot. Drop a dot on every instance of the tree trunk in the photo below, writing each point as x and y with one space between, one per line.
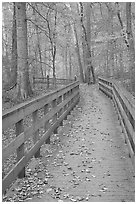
131 48
70 66
38 44
89 60
40 57
107 64
12 73
111 42
66 68
54 67
121 63
84 57
23 83
78 55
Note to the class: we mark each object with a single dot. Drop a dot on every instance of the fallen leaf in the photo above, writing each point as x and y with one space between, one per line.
49 190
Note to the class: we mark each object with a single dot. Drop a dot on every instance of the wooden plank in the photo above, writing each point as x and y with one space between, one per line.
128 113
54 118
20 150
46 110
130 98
107 86
126 121
29 131
12 175
131 152
19 112
48 133
11 148
35 133
126 102
106 91
123 116
127 124
106 81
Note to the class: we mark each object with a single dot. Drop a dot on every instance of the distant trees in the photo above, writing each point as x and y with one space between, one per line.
67 39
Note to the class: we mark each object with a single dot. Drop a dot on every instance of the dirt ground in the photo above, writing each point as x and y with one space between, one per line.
86 161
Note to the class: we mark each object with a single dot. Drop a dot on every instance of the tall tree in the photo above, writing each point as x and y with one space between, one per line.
86 41
111 41
78 54
89 56
38 45
131 48
12 80
23 82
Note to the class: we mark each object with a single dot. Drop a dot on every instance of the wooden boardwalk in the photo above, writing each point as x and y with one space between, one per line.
91 162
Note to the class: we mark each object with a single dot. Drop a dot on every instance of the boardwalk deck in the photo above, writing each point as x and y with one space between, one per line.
91 162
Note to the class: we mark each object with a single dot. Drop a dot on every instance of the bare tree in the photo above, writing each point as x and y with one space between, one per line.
78 54
86 41
131 48
13 70
23 83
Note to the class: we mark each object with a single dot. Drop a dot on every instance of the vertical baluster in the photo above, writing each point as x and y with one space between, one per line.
61 110
46 109
20 150
65 107
69 103
47 125
73 97
36 134
54 104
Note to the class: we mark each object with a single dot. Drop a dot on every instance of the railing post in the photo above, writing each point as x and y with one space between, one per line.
61 110
20 150
46 126
47 81
65 107
69 103
36 134
54 104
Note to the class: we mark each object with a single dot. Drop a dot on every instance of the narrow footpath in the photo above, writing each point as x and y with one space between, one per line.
87 160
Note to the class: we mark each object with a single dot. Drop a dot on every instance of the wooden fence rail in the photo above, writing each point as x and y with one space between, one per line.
48 81
56 106
125 106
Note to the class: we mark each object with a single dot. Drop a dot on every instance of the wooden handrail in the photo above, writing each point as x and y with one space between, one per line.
125 106
48 81
56 106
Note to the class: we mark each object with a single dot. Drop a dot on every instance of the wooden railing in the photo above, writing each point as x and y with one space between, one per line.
56 106
125 106
49 81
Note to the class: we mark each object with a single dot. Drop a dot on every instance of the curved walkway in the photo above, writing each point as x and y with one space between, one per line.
88 160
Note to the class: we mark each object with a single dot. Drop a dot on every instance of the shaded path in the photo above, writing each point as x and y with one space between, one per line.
89 160
94 159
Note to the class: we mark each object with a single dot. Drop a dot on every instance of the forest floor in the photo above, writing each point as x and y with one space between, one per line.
87 160
9 98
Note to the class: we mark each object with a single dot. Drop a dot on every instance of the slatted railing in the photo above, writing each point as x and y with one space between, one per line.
49 81
125 106
55 106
